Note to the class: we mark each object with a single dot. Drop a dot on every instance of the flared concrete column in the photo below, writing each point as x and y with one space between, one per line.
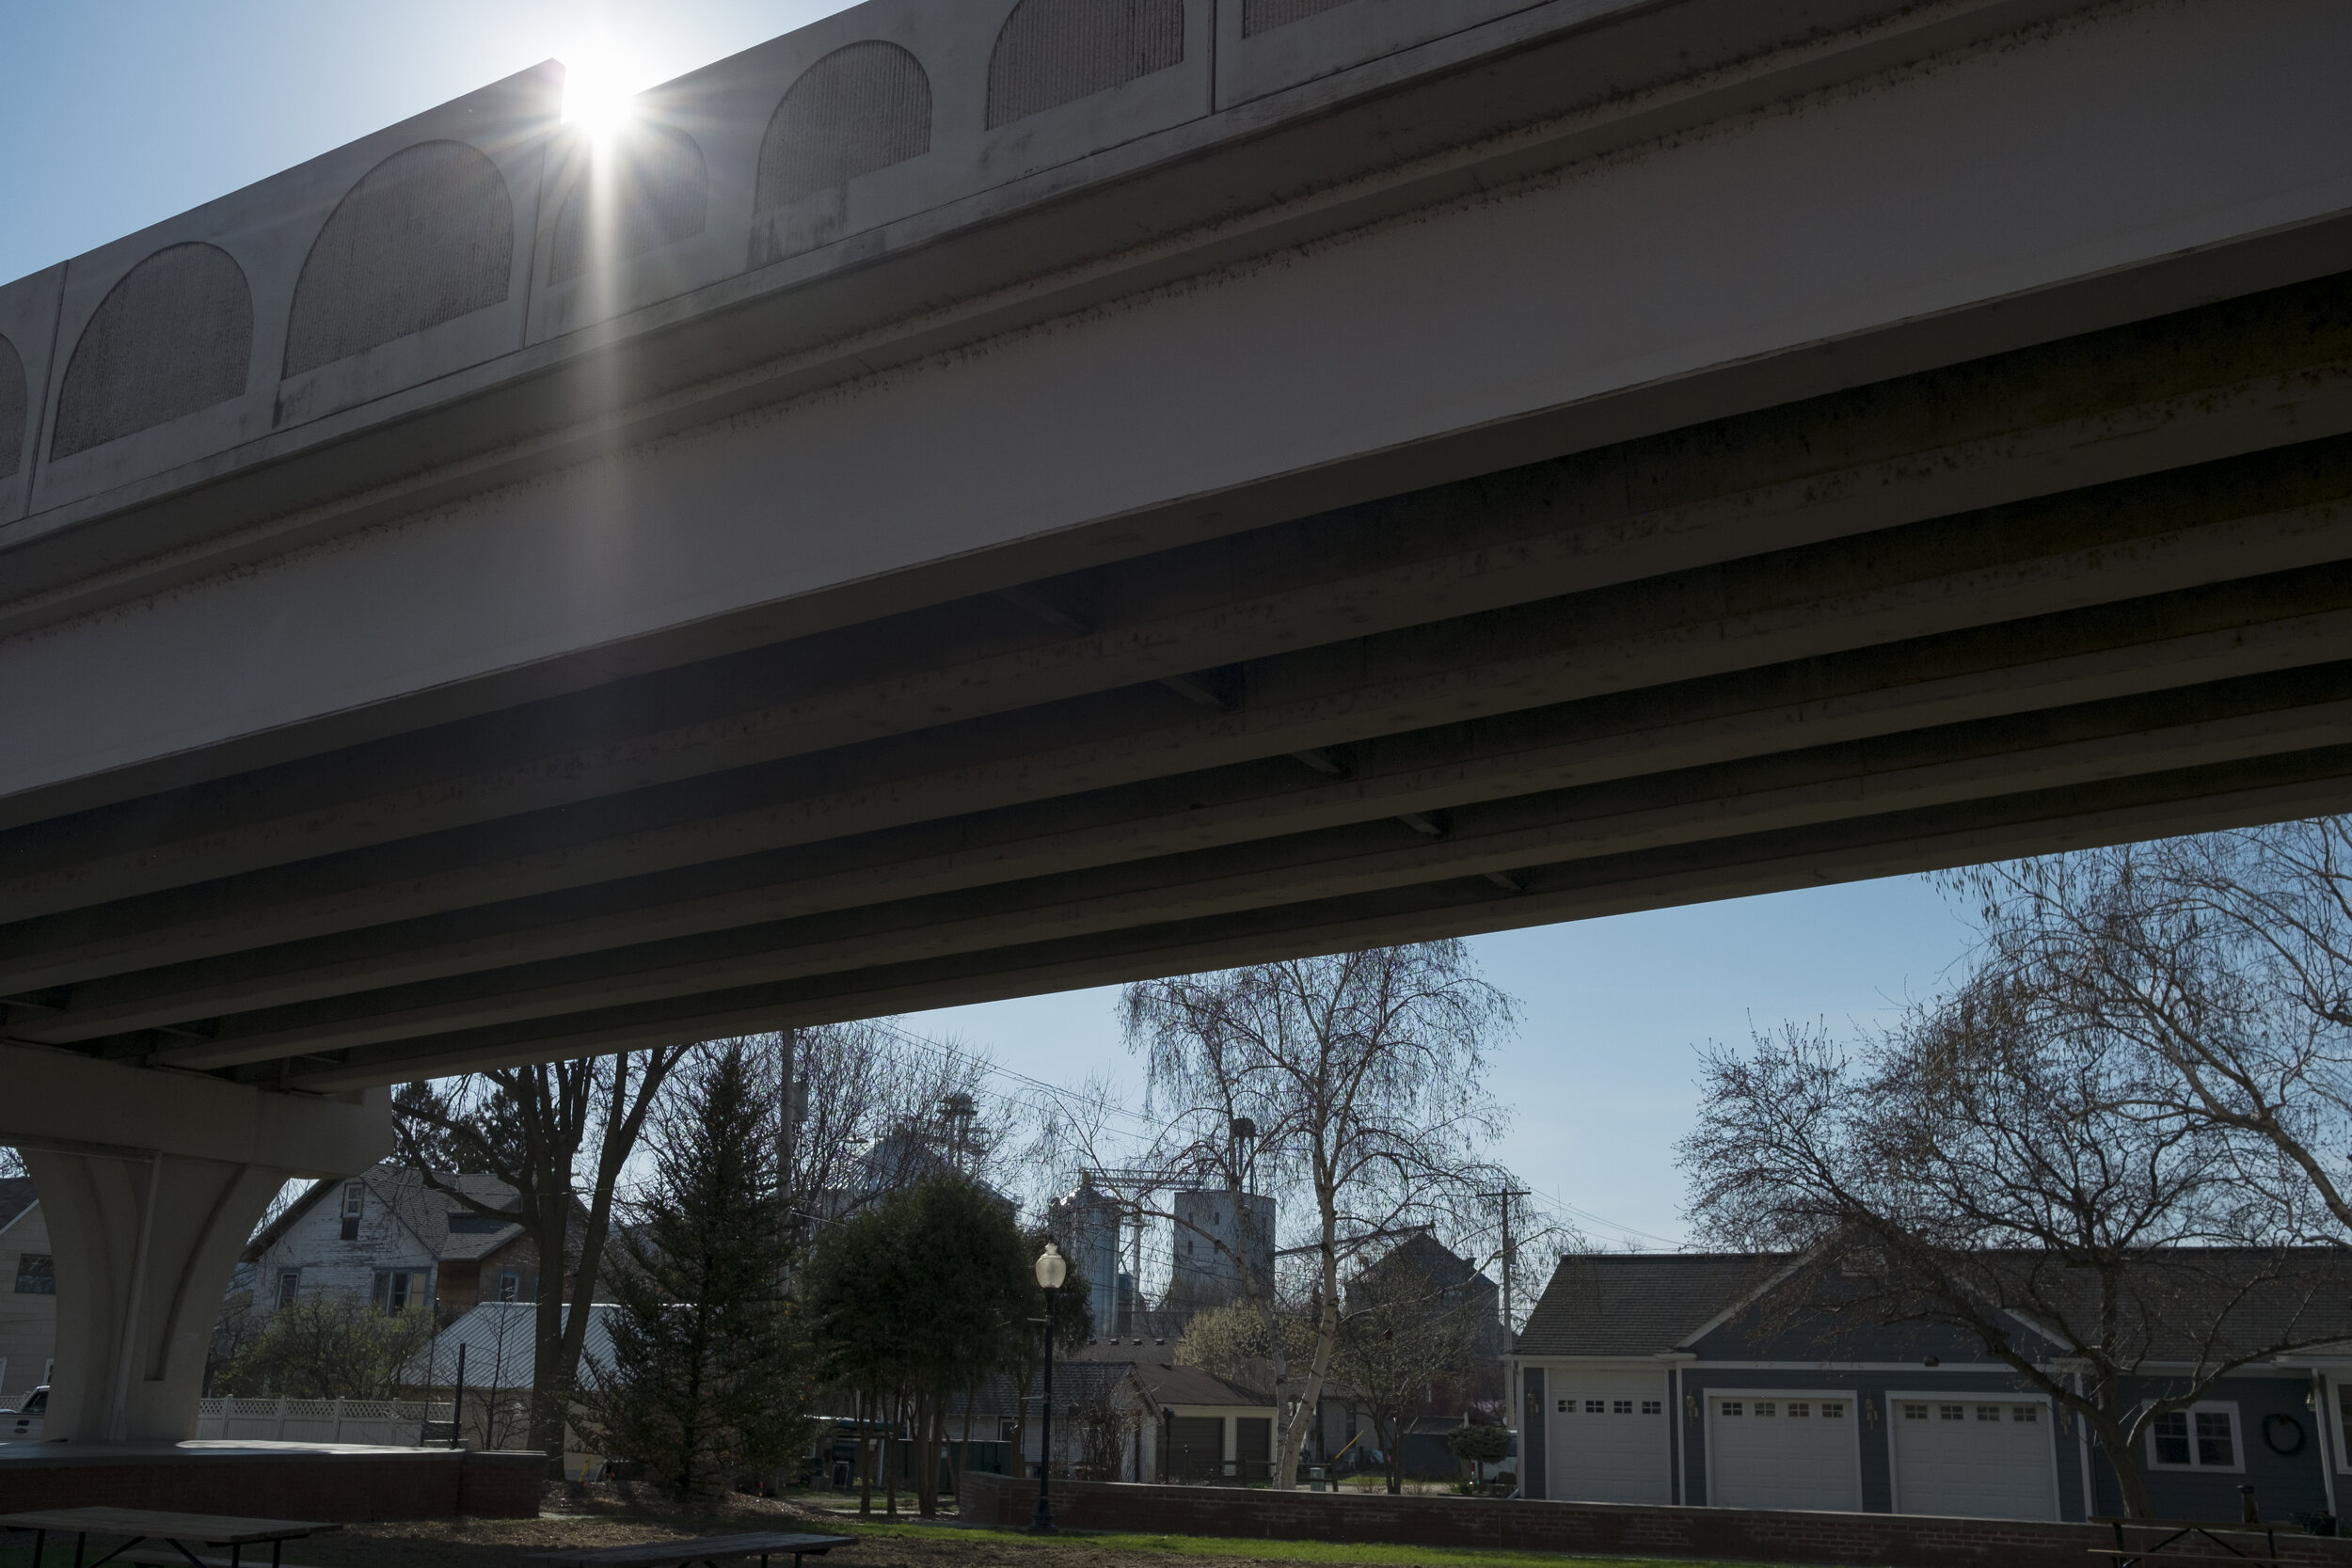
151 1182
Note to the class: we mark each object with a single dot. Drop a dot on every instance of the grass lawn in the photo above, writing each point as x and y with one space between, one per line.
1256 1549
504 1542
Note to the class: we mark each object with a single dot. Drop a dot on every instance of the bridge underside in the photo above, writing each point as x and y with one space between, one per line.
2091 591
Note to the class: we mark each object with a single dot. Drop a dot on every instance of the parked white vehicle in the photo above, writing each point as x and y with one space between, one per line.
25 1422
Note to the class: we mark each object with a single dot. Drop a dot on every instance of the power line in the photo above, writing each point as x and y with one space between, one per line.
1069 1099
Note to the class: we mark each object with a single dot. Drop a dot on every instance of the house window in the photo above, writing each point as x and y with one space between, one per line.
1833 1410
1623 1407
2201 1439
1766 1407
396 1290
1988 1413
510 1286
2028 1413
36 1275
354 1197
1595 1407
289 1285
1734 1407
1568 1407
1952 1412
1914 1412
1800 1409
1651 1407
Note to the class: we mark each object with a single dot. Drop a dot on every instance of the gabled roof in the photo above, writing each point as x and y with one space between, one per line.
1650 1304
425 1213
1170 1384
1075 1383
1080 1382
1428 1256
16 1197
1639 1303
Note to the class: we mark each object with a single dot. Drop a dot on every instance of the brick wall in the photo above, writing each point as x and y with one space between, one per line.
340 1488
1898 1541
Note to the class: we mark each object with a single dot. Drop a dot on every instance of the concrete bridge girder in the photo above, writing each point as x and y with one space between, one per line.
1594 534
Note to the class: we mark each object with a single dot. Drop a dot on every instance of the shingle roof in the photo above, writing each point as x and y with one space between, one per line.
1640 1302
425 1211
1169 1384
1646 1304
1077 1381
1429 1257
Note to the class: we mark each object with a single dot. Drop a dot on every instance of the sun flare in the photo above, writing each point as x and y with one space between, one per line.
595 96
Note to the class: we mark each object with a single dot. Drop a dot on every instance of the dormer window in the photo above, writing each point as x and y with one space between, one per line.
355 1197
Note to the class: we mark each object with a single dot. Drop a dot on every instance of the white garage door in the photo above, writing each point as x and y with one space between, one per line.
1782 1451
1609 1437
1978 1458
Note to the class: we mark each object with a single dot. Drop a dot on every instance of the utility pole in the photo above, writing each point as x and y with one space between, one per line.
787 1114
1510 1256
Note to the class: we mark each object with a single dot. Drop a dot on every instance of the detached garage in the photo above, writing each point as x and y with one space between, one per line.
1980 1458
1609 1441
1792 1448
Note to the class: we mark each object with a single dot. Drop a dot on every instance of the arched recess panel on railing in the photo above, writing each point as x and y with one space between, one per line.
1053 51
425 237
1259 16
12 407
858 109
173 336
646 187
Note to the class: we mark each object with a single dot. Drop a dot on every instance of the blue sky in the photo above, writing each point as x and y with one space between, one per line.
118 113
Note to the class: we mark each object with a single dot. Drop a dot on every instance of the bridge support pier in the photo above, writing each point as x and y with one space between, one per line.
152 1180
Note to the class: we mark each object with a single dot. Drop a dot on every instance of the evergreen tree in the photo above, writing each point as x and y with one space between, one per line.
709 1381
918 1301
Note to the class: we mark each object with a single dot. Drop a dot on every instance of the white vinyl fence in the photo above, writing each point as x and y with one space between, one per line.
388 1422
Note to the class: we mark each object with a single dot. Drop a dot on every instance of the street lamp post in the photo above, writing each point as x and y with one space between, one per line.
1052 1269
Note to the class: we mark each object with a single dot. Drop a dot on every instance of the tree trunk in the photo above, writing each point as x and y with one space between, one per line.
1296 1424
926 1471
551 1402
890 1461
963 1450
2130 1480
865 1440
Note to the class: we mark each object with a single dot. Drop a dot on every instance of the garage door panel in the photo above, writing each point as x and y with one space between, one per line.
1784 1449
1973 1457
1609 1439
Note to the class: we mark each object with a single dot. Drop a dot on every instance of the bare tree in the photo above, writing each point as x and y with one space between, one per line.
876 1109
560 1133
2228 957
1404 1333
1970 1171
323 1347
1100 1419
1361 1078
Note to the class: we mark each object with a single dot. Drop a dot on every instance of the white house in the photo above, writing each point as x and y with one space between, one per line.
28 1293
385 1236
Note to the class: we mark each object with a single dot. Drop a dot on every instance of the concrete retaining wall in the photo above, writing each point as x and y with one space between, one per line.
1757 1535
350 1487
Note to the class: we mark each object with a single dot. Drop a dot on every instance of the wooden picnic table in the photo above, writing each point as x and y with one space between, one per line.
174 1529
2204 1538
709 1551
